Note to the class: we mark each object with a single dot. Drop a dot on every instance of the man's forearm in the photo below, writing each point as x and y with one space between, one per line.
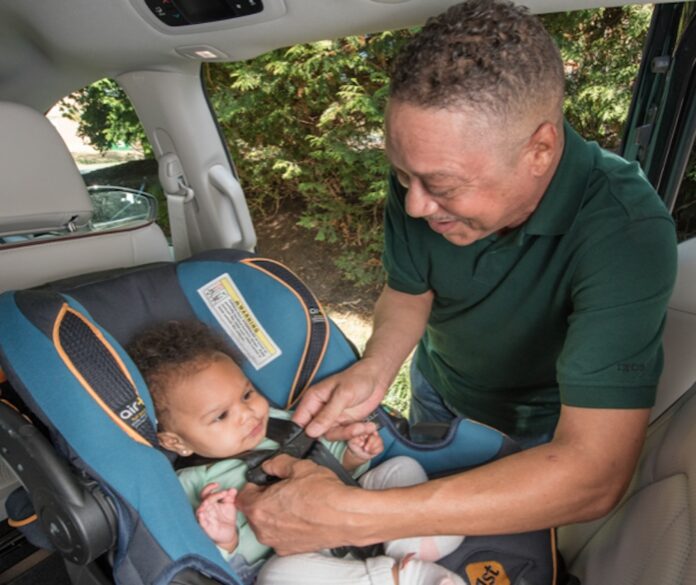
399 322
568 480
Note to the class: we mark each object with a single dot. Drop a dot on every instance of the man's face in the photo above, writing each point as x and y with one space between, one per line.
216 412
462 177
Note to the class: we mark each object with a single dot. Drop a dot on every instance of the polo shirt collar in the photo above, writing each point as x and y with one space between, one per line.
558 207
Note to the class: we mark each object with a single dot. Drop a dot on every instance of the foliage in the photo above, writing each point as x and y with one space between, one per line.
306 122
601 50
399 395
105 116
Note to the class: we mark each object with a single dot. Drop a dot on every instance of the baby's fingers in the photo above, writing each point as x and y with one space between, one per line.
209 489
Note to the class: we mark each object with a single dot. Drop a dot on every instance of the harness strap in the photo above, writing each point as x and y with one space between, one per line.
317 323
293 441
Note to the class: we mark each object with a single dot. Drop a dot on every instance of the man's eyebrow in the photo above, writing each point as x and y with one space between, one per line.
436 175
442 175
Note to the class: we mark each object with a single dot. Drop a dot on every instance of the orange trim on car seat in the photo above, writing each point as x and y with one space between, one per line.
3 377
13 407
19 523
251 262
95 396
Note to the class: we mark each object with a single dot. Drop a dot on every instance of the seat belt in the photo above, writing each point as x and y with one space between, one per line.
178 194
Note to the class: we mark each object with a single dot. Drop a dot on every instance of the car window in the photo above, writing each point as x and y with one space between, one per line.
110 149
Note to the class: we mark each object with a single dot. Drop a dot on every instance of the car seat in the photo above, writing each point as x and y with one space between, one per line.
101 491
45 211
649 537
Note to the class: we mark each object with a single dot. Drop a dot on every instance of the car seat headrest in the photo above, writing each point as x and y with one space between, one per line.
43 189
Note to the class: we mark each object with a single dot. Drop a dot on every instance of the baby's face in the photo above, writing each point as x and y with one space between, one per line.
216 411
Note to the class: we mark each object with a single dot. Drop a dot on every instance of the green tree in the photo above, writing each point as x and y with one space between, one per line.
601 50
306 123
105 116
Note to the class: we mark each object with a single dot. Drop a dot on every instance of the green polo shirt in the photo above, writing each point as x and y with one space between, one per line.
567 308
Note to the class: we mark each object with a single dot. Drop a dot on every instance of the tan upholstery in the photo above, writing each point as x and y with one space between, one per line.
650 538
42 190
680 333
41 186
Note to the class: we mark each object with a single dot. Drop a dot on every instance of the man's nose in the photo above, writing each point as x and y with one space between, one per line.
418 202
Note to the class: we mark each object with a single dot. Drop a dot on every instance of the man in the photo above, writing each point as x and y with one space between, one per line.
532 271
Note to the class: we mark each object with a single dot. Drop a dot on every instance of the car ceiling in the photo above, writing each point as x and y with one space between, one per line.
49 49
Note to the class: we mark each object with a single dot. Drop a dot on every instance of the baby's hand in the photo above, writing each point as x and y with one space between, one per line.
217 515
362 448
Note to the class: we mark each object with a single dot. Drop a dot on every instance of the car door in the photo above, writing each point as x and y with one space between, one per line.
662 119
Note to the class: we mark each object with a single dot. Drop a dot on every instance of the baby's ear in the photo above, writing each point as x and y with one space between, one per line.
173 442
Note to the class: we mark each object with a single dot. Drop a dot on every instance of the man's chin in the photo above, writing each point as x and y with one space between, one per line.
464 239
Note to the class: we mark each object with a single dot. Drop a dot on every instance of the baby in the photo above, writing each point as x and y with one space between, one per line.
205 405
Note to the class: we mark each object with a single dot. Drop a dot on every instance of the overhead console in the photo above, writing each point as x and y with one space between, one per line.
186 12
183 15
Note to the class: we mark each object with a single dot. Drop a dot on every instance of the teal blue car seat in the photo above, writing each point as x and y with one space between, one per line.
80 432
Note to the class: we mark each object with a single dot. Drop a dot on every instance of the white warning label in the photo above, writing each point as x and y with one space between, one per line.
235 316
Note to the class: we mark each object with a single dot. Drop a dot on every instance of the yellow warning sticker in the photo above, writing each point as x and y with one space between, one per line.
487 573
230 308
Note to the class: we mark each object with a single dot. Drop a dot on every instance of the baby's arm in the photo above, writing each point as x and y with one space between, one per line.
217 515
361 449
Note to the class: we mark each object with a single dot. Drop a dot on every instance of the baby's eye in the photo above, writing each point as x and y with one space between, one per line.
221 416
248 394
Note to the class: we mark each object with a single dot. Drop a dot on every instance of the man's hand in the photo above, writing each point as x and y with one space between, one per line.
341 399
299 515
349 396
217 515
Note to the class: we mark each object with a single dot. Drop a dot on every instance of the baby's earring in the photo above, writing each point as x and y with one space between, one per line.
185 452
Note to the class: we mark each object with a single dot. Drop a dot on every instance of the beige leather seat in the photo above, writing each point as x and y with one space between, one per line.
41 190
650 538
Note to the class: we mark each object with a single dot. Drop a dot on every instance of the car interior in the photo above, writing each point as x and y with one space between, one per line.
155 50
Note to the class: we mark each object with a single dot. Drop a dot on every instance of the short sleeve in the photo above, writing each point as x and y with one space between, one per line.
400 249
193 481
612 355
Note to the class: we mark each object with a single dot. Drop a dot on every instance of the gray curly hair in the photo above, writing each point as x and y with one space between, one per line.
487 55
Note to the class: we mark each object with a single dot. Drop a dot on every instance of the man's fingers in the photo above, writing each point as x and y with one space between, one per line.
313 401
329 415
348 432
280 466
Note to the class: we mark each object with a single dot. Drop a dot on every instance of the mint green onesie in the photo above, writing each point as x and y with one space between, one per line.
250 554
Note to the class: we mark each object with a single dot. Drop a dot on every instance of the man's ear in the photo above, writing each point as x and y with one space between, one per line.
173 442
543 149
